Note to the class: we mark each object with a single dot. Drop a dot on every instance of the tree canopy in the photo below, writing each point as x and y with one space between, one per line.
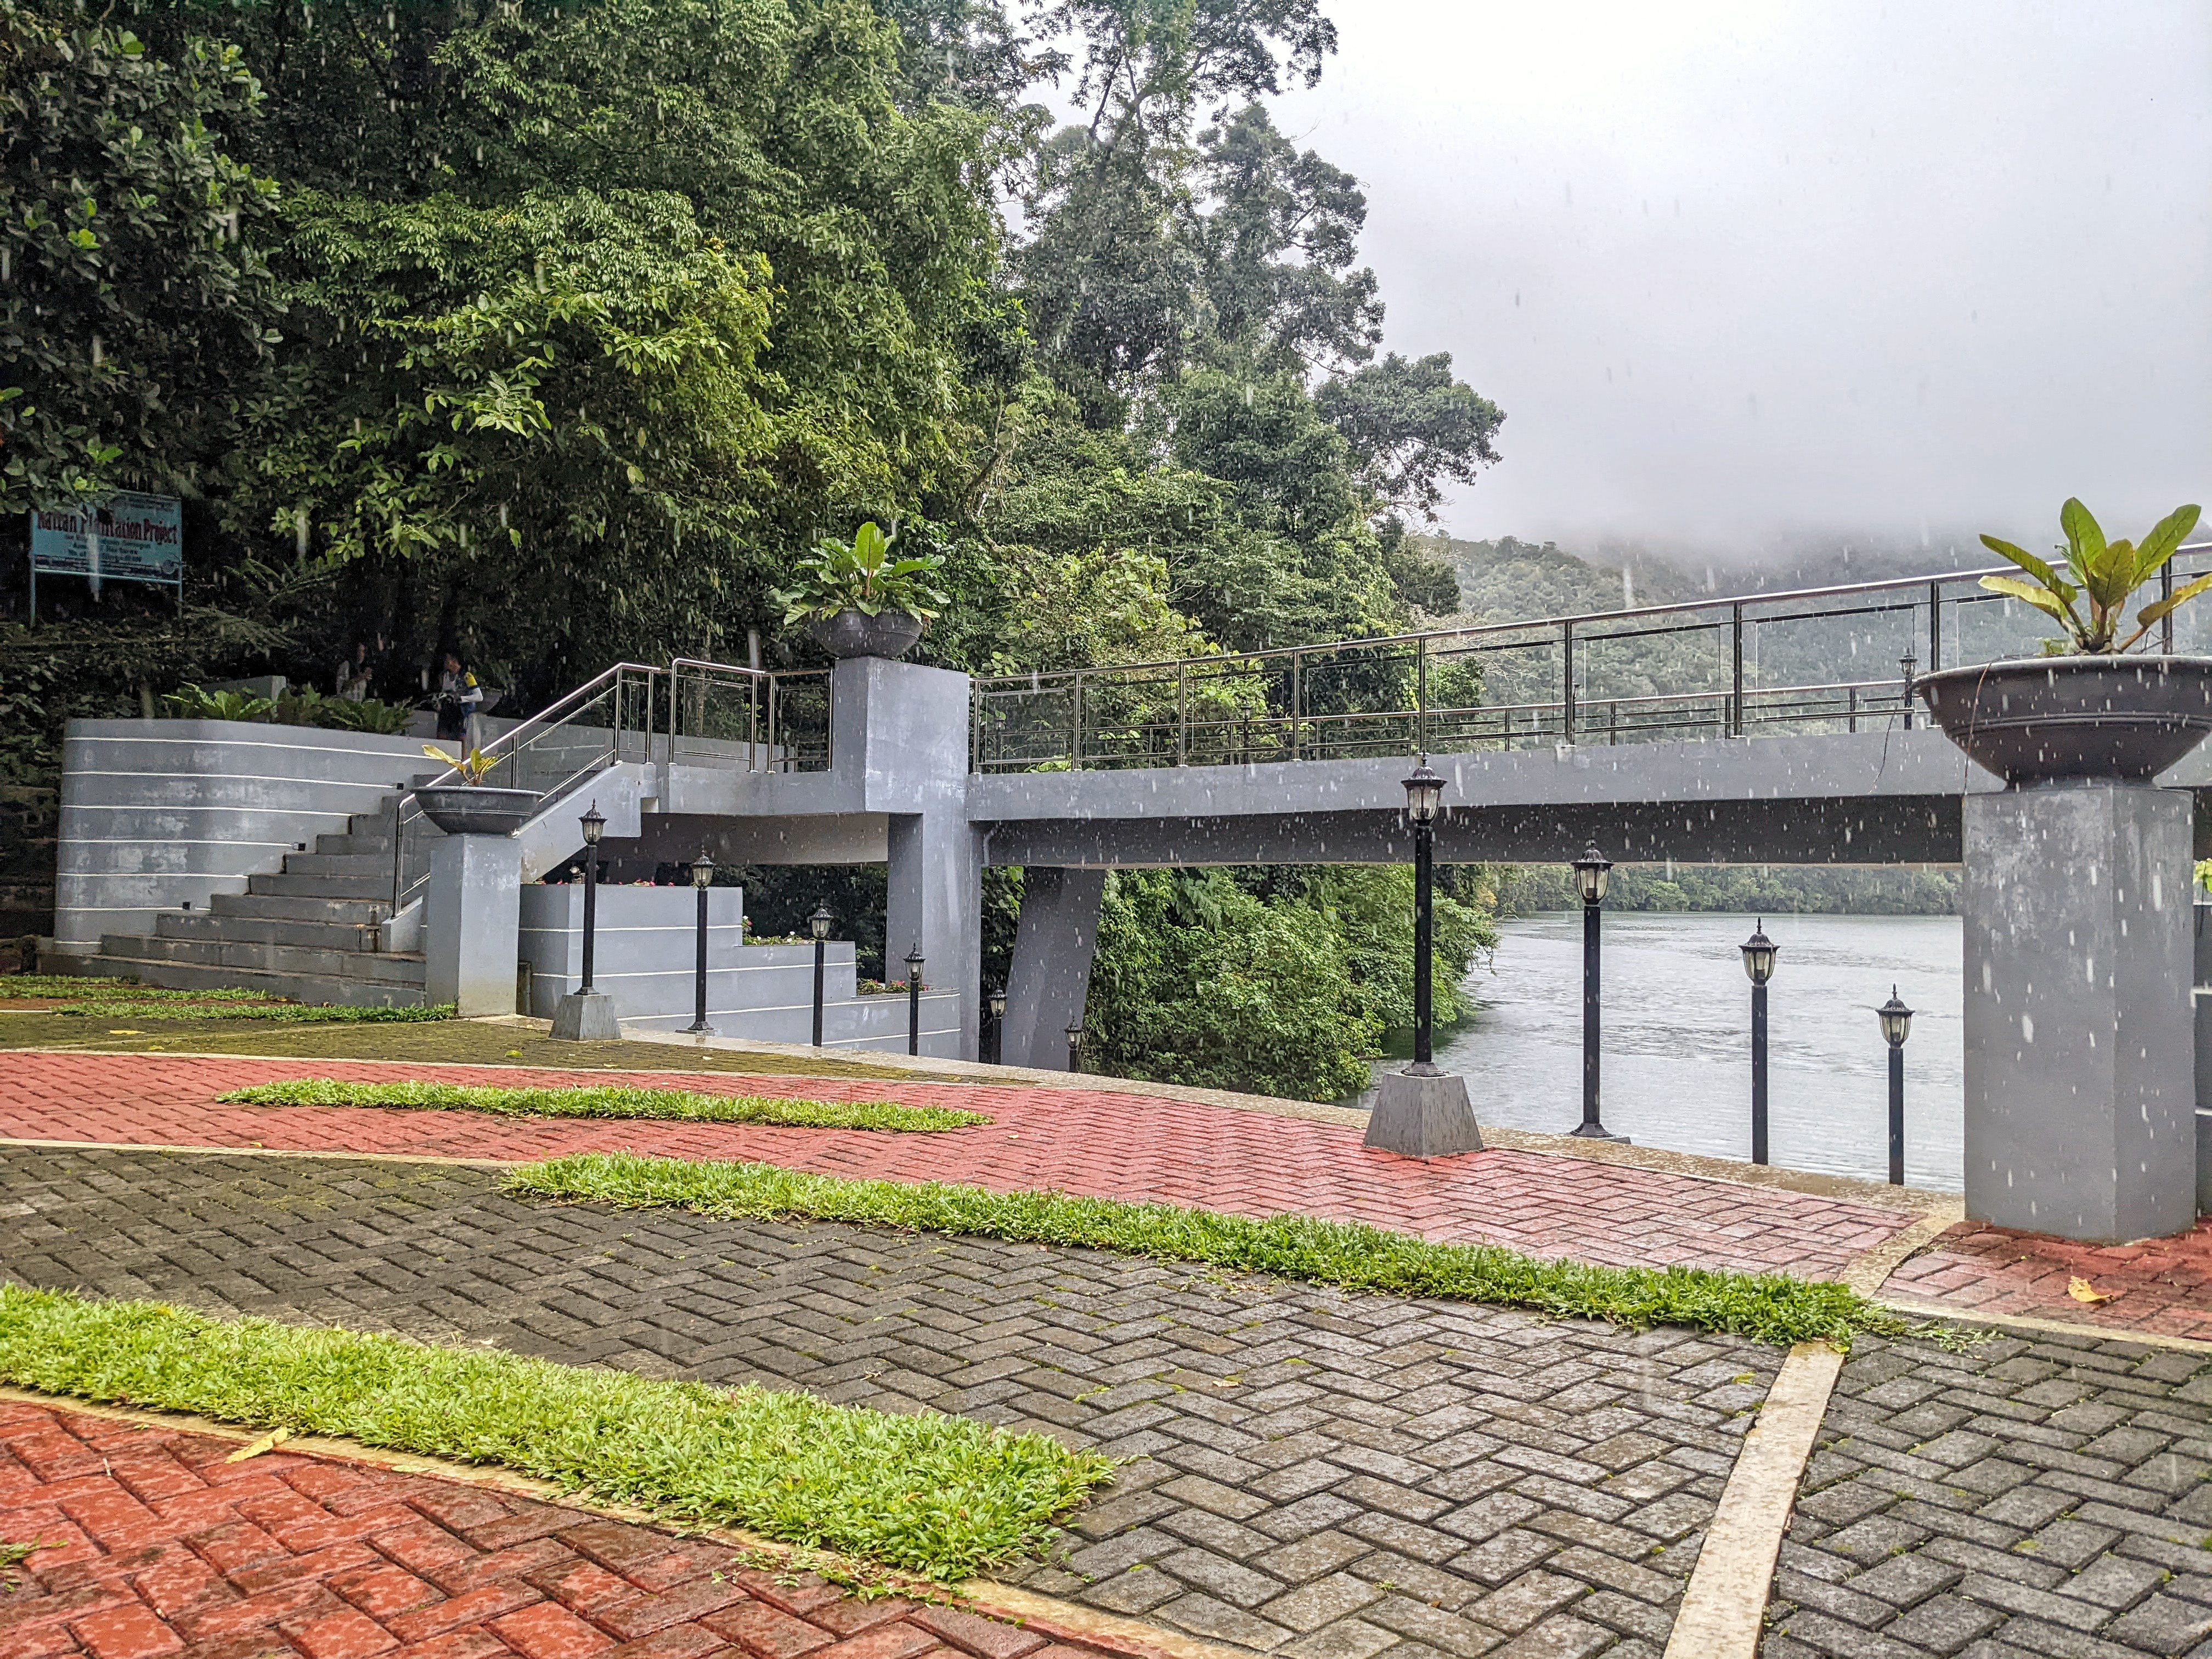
555 333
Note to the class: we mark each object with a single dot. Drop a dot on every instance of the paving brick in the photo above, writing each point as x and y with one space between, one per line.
344 1635
1387 1449
126 1632
548 1631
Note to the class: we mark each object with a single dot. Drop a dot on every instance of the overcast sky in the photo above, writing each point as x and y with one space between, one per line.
1740 273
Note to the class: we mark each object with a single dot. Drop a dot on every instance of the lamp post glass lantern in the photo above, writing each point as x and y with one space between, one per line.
818 925
1896 1026
1591 871
1075 1046
913 961
594 825
997 1004
703 877
1423 795
1759 953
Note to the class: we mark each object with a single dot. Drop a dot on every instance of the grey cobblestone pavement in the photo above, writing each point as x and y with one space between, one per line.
2042 1495
1318 1474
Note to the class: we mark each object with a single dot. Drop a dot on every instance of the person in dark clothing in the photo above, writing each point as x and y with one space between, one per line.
459 697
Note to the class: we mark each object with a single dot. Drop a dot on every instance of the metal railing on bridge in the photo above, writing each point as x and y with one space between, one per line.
1808 660
690 712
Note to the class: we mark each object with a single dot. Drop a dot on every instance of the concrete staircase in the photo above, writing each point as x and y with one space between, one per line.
310 932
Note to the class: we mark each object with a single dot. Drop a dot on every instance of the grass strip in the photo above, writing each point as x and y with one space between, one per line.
937 1496
288 1013
1771 1307
602 1101
113 990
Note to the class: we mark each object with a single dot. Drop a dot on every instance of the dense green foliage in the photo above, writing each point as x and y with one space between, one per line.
682 1105
1286 990
1771 1307
1746 890
558 335
940 1497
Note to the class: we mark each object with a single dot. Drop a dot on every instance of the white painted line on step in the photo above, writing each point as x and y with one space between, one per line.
1723 1610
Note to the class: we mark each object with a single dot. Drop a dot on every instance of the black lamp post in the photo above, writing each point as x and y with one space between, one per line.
818 925
1590 880
998 1006
1075 1046
914 998
594 824
1896 1026
1424 790
1759 953
1909 663
703 877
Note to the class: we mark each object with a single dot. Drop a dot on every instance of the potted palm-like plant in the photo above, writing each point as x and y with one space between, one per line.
864 598
468 806
2099 703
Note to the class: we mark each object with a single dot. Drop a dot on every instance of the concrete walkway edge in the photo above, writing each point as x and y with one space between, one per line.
1723 1610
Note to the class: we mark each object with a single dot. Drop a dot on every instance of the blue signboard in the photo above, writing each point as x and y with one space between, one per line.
126 537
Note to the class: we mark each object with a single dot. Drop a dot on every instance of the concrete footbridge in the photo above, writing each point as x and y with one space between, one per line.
1766 728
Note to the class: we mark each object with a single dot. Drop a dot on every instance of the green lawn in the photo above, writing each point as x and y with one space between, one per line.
1771 1307
941 1497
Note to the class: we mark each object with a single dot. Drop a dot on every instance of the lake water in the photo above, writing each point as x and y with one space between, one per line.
1677 1057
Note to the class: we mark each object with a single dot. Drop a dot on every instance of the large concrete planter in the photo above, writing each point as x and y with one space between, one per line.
2042 718
855 633
464 808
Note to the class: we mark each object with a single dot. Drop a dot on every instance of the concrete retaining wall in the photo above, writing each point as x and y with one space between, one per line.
644 955
155 813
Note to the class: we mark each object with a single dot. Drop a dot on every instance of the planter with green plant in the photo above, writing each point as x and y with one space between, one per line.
2099 703
467 806
864 598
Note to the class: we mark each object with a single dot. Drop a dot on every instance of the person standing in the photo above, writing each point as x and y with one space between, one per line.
459 697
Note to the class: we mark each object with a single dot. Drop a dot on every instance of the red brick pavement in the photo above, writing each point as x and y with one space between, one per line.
1083 1141
156 1545
2162 1286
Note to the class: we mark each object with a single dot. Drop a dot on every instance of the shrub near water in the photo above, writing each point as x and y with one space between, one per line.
943 1497
680 1104
1771 1307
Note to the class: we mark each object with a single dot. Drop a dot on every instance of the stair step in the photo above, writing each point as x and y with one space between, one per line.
354 844
195 976
363 866
324 887
263 930
286 961
294 908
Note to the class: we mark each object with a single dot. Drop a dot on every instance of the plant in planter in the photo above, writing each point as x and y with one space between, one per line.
470 806
2094 705
2106 574
863 597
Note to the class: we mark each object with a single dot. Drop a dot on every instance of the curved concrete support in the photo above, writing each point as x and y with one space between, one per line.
1050 978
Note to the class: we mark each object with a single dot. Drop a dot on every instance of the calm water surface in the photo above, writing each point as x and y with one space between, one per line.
1677 1059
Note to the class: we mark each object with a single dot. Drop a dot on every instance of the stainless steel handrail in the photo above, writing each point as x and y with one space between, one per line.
1059 731
505 747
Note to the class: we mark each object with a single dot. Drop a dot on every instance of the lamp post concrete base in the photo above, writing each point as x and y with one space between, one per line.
1423 1115
586 1016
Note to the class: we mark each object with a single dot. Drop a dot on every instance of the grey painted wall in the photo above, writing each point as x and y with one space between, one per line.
156 813
1049 980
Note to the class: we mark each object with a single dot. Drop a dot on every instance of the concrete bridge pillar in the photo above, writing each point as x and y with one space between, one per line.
2079 1087
1049 980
